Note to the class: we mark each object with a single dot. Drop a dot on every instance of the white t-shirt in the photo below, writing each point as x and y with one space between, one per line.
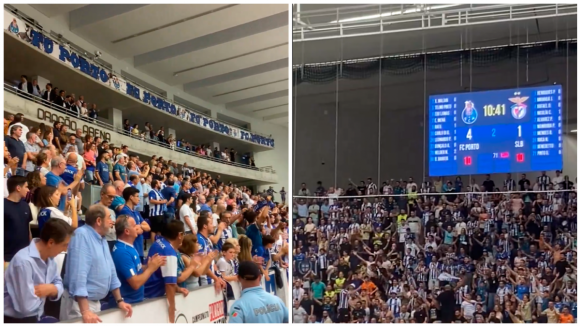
468 308
225 267
215 219
56 213
185 213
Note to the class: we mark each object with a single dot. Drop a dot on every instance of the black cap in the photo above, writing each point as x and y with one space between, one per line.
248 270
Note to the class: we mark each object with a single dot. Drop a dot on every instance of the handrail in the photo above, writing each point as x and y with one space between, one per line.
40 30
14 90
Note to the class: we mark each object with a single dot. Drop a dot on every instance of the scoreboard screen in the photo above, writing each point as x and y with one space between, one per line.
502 131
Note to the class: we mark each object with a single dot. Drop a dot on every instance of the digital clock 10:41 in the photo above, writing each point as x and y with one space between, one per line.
491 111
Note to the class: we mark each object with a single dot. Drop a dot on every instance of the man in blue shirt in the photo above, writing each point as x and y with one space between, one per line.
102 170
35 267
53 179
253 232
90 272
164 280
131 197
119 170
171 196
127 263
256 305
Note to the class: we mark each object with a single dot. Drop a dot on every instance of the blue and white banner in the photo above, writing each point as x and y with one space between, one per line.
26 33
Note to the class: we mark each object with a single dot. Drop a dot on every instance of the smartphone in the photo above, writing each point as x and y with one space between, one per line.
69 195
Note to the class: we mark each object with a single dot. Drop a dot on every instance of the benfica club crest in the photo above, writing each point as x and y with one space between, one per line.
519 109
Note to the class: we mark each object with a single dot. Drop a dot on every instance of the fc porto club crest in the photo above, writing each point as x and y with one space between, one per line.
469 114
519 109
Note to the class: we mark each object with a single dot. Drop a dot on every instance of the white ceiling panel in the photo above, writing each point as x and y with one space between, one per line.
245 83
249 108
56 10
253 92
195 28
233 65
215 56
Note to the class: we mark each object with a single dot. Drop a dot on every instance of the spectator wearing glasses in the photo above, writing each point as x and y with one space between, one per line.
90 271
108 194
35 266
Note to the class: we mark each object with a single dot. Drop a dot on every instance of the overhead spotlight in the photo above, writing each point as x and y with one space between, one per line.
573 130
176 74
97 54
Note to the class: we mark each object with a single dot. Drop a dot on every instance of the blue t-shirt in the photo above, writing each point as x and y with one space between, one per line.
69 174
521 290
155 285
54 181
204 207
128 264
103 170
122 172
138 244
168 193
254 234
44 215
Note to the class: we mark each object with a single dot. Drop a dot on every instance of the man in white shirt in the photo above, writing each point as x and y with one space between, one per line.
558 179
313 210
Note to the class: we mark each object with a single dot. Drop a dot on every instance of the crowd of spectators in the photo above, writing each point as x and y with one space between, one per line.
431 253
159 228
77 107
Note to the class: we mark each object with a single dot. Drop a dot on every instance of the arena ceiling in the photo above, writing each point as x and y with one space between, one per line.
235 55
413 28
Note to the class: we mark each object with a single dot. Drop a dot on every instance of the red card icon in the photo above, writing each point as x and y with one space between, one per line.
467 160
520 157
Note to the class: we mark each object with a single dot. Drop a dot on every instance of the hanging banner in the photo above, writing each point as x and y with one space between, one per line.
28 34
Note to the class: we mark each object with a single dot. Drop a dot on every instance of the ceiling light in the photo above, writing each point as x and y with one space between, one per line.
573 130
392 13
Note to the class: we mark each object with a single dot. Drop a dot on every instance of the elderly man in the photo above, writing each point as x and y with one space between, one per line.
108 194
79 141
32 149
90 272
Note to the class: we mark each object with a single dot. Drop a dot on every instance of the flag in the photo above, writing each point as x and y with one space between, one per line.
444 276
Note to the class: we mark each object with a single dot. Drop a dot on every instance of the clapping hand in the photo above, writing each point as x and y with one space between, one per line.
258 260
156 261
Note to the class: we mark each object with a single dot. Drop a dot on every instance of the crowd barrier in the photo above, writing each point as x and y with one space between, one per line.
203 305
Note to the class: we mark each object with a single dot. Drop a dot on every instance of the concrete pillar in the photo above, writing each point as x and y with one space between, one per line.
112 116
214 145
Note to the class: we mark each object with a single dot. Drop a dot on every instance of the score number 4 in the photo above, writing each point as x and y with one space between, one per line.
469 135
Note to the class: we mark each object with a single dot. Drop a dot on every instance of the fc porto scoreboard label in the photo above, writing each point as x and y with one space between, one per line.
512 130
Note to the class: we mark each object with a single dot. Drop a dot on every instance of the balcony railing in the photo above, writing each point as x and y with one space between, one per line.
104 125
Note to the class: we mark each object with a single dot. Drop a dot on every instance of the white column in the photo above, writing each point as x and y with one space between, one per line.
171 131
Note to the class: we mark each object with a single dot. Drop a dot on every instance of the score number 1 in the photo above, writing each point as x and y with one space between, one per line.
519 143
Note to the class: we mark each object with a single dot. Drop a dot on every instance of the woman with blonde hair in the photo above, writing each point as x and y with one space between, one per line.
245 248
190 264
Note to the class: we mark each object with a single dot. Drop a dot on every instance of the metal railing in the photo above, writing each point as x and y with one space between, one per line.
365 20
46 34
107 126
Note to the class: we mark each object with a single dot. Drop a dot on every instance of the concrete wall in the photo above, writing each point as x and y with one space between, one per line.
398 140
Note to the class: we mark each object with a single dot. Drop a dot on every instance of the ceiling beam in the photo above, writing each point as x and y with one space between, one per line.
260 98
275 116
91 14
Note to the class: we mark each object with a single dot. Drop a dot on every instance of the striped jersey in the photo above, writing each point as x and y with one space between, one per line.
156 209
